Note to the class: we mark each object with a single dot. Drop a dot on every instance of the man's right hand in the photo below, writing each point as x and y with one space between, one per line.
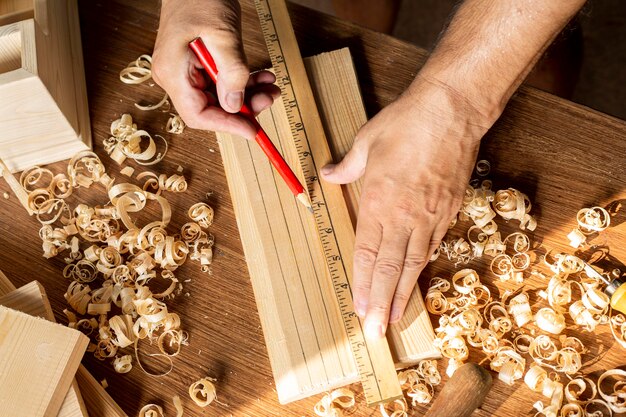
176 69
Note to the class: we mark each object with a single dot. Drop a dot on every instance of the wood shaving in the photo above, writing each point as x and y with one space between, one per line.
396 408
151 410
203 392
123 364
137 72
202 214
178 405
129 142
333 404
508 331
175 124
127 171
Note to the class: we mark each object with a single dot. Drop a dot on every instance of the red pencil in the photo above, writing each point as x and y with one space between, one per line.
205 58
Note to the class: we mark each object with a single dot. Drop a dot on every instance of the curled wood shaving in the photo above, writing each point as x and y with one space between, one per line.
151 410
203 392
333 404
202 214
174 183
513 204
129 142
175 124
396 408
123 364
483 168
615 399
137 72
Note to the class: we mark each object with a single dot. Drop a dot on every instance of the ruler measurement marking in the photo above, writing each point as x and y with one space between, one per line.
324 223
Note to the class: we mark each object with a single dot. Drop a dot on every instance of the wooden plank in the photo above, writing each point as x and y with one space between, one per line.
306 340
94 401
333 76
40 359
32 299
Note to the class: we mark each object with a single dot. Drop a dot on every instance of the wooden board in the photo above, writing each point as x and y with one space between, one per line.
305 337
44 114
94 401
32 299
39 360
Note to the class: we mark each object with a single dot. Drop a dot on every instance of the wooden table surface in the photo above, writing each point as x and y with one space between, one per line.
562 155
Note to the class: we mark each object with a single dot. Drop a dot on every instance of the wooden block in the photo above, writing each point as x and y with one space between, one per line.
43 114
304 333
32 299
39 361
94 401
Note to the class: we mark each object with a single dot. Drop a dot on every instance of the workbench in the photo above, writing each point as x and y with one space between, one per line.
563 155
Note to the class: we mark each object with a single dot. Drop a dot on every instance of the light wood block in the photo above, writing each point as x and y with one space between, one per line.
94 401
38 362
32 299
304 333
43 112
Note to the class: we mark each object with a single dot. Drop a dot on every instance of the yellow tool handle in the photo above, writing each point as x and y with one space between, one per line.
618 300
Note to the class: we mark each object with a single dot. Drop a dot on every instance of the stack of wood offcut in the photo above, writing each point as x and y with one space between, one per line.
40 371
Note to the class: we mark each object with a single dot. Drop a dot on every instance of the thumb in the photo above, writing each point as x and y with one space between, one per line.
350 169
227 50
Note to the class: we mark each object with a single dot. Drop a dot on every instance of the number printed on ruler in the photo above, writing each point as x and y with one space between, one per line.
323 219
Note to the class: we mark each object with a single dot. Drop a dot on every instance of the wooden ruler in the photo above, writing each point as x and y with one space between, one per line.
373 357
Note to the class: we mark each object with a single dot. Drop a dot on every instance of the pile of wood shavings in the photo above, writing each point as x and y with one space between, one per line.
416 383
507 331
112 261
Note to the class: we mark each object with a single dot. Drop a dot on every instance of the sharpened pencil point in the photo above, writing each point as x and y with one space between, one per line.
304 199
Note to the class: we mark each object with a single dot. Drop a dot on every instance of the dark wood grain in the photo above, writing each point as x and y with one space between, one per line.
563 155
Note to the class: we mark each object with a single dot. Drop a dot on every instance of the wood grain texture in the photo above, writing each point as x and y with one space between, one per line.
32 299
307 342
563 155
94 401
309 150
44 113
12 11
334 82
40 359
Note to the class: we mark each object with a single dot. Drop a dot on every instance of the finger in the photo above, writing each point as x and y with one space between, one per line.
387 270
367 242
197 110
417 255
261 77
262 97
351 167
226 48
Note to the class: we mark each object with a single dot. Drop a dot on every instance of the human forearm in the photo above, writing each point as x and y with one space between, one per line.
491 45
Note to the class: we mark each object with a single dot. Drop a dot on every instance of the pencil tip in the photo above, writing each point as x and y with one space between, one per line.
304 199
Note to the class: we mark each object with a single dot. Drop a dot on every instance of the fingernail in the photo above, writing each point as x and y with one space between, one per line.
374 330
327 169
234 100
360 309
395 316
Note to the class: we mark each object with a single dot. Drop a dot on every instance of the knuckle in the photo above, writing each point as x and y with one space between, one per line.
415 262
388 268
378 307
401 298
365 256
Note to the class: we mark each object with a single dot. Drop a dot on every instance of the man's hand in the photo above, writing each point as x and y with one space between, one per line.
416 156
176 69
